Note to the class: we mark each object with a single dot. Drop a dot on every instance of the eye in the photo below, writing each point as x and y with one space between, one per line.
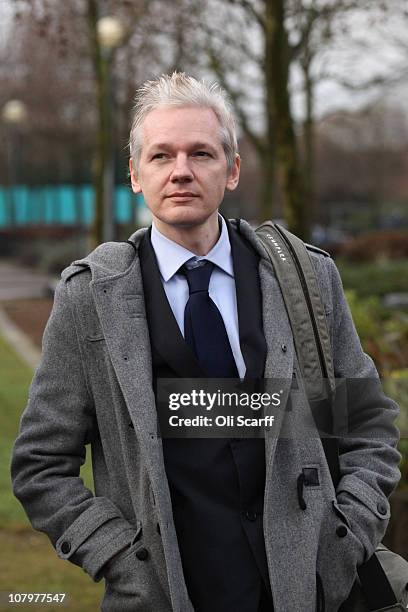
201 154
159 156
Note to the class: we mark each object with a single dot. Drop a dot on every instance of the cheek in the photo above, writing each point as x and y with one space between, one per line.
151 187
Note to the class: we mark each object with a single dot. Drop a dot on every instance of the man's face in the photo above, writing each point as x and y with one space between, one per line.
183 169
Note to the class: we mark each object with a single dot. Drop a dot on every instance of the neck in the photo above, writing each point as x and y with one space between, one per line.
197 239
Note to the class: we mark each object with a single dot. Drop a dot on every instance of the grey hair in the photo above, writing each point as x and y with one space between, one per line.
180 90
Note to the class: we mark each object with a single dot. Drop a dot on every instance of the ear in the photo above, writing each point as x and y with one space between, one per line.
233 177
136 187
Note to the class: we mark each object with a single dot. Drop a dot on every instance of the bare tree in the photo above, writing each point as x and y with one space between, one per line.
257 48
275 141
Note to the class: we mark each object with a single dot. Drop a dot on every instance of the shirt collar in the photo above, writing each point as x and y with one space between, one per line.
171 256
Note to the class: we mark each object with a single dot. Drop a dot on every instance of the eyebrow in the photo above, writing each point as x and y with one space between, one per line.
194 145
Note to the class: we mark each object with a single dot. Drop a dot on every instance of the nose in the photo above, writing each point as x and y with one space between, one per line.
181 172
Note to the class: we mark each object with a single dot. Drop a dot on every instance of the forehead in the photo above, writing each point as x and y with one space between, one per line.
180 125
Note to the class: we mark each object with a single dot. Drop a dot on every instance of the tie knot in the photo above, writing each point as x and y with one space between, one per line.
198 278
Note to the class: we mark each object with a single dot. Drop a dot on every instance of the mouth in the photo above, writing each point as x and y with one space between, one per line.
182 195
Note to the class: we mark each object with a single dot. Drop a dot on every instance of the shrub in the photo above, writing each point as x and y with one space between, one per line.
396 386
384 336
383 333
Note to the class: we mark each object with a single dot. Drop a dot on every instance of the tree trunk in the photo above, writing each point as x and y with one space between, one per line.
268 200
309 148
278 101
179 37
268 154
100 67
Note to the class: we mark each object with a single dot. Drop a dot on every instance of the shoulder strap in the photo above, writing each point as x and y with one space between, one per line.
299 286
298 282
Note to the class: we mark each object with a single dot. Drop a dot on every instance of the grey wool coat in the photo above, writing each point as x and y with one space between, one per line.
94 386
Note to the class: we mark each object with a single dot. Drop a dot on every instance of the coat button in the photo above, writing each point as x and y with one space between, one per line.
284 348
65 547
142 554
341 531
250 516
382 508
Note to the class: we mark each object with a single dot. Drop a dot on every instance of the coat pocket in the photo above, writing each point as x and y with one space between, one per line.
131 581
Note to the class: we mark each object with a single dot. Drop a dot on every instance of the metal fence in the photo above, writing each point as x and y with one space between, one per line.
23 205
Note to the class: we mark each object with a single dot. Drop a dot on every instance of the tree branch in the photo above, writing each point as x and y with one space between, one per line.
249 8
234 95
227 41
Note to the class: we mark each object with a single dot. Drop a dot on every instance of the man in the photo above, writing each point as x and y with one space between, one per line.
194 524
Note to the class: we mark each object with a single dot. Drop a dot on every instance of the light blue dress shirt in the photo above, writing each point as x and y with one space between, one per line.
171 256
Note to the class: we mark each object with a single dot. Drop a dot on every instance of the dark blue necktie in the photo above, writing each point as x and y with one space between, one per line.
204 329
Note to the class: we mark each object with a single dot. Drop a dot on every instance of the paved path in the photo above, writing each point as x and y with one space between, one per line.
19 341
17 282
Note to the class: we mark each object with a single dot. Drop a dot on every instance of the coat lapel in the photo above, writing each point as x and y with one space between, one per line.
121 309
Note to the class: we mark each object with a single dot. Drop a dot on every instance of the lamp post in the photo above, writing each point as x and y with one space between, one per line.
110 33
13 114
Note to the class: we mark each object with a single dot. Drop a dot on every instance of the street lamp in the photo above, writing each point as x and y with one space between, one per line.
13 114
110 32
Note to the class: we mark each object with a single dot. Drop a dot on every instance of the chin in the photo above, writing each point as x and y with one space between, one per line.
187 218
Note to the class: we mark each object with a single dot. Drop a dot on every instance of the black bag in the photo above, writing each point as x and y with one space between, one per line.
382 582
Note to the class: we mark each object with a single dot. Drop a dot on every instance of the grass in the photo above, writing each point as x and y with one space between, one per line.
28 562
14 381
